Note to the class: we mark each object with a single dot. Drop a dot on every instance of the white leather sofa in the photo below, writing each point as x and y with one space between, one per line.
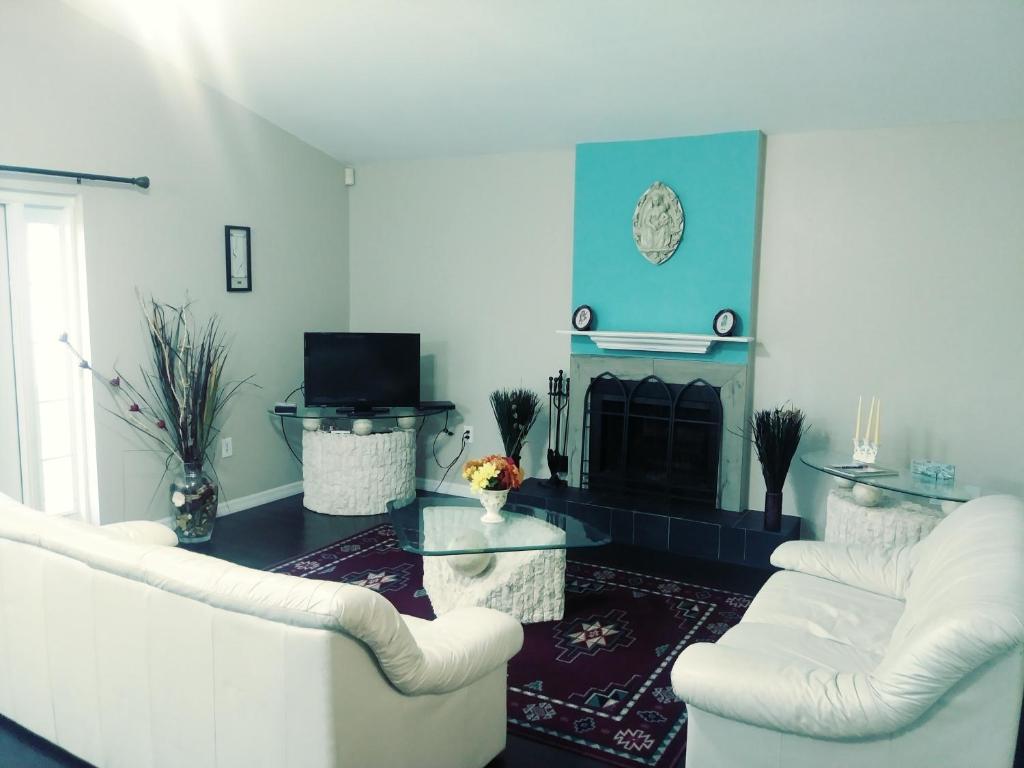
131 653
857 657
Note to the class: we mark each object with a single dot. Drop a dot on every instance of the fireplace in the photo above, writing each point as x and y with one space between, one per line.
658 457
652 437
667 429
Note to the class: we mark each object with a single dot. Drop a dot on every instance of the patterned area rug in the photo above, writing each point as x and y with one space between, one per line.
596 682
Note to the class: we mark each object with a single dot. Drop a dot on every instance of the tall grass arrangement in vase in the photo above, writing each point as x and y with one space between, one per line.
178 404
776 433
516 411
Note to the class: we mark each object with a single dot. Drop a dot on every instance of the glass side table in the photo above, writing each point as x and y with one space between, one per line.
867 516
517 566
904 482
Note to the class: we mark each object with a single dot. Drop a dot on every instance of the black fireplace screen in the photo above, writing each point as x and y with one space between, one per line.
652 437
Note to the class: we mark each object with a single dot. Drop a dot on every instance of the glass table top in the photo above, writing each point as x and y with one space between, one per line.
904 482
423 409
451 526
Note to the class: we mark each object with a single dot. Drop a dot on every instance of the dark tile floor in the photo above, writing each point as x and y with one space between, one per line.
265 535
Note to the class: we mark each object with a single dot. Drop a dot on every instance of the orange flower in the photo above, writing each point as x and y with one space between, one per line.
509 477
470 467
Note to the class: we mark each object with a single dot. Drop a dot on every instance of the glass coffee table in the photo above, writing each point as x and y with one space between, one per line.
517 566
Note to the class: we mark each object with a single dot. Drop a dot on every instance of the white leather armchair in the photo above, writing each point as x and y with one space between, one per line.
856 657
127 651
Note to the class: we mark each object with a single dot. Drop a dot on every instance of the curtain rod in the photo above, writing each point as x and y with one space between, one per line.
139 181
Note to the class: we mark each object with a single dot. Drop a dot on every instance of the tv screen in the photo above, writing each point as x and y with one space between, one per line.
362 370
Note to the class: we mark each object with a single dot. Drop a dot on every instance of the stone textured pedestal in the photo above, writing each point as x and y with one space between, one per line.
347 474
893 523
529 585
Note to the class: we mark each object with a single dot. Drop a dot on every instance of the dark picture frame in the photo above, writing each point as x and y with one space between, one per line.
228 229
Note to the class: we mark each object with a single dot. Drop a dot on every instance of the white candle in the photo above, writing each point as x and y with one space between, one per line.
860 405
878 420
871 420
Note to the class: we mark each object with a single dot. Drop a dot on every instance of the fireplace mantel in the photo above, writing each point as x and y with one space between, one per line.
647 341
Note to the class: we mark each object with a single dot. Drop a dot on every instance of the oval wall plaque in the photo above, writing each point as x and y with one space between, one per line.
658 223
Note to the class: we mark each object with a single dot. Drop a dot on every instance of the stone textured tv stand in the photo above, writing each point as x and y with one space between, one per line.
348 474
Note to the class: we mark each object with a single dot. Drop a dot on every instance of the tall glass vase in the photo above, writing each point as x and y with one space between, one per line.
194 504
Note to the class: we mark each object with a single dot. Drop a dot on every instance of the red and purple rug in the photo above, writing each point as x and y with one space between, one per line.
596 682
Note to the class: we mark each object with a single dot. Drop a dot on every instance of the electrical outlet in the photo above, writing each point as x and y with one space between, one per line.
227 450
467 434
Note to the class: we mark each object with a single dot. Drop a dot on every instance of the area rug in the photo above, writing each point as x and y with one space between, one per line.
596 682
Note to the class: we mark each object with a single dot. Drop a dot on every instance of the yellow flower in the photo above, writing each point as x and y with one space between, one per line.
483 475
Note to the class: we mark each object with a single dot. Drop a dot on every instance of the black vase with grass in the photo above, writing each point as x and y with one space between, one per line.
515 410
776 433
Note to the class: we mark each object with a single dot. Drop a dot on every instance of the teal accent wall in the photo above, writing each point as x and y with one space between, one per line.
718 181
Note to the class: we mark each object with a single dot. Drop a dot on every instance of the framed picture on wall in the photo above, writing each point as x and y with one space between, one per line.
238 257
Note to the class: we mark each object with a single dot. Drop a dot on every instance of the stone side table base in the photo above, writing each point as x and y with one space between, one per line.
347 474
530 586
893 523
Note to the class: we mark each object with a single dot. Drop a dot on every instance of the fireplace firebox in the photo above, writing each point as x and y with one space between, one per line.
653 438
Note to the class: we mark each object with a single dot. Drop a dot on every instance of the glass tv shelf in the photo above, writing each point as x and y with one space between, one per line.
429 408
904 482
434 526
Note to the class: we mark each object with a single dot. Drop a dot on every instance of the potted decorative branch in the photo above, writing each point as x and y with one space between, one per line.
776 433
178 405
516 411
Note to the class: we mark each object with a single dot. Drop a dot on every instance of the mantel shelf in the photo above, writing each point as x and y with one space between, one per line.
645 341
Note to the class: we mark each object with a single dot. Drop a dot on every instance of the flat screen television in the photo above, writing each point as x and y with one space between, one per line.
362 371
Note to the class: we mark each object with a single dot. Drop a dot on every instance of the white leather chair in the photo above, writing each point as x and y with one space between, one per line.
856 657
129 652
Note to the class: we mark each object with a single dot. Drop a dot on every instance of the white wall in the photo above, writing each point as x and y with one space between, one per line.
892 263
77 96
476 255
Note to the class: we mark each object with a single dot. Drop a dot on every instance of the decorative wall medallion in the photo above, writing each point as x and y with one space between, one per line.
658 223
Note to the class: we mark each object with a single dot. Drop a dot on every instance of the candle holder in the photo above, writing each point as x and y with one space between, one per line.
865 451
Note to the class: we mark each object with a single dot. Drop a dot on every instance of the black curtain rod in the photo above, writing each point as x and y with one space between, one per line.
139 181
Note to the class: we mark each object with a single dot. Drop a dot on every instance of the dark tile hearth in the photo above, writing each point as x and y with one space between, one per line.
667 525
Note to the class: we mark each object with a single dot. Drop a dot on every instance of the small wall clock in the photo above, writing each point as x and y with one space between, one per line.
238 257
582 318
725 322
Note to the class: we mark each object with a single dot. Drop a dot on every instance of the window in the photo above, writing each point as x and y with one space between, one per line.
42 277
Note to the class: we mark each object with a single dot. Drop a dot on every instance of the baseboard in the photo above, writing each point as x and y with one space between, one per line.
231 506
260 497
450 487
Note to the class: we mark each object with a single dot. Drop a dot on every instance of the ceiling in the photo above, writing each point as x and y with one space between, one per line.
379 79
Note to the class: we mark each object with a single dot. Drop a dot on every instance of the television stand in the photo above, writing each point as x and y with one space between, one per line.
344 473
357 473
355 413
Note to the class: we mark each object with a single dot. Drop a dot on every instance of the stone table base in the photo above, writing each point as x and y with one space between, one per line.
347 474
530 585
894 523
